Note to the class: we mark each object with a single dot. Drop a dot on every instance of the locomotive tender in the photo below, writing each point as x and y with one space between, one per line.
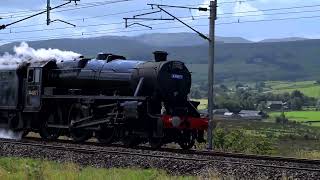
110 98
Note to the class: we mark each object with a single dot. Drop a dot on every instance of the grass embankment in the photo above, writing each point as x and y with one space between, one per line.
309 88
300 116
16 168
261 137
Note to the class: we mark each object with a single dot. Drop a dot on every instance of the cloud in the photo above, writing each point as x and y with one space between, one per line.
245 10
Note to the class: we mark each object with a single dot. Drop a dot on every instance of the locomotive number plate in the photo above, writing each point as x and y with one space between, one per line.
176 76
33 92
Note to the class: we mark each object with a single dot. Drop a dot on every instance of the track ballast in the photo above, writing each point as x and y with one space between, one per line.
174 161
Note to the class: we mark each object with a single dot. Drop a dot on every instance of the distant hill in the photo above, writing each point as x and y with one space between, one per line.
170 39
285 39
246 61
182 39
232 40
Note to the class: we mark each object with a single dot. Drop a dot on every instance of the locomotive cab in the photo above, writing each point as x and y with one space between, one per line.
34 85
33 89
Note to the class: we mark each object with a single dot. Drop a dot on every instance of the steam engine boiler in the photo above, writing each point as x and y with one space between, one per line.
109 97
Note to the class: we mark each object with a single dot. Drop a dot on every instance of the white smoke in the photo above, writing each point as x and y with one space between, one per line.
24 53
8 134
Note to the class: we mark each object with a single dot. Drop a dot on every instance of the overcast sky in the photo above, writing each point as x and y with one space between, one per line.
114 24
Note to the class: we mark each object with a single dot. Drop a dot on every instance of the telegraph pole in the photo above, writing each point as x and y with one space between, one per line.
48 9
210 39
48 12
213 17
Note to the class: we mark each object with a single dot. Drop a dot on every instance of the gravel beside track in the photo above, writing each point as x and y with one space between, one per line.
198 164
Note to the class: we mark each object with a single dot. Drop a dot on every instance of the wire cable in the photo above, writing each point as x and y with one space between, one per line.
73 8
116 30
95 25
82 19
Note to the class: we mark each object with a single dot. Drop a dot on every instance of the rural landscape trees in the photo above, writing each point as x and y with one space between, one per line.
248 98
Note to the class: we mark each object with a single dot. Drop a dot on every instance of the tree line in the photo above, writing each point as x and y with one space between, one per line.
246 99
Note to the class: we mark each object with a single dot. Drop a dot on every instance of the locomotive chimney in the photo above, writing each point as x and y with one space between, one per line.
160 56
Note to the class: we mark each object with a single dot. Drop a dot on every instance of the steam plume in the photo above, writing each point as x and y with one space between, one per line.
24 53
8 134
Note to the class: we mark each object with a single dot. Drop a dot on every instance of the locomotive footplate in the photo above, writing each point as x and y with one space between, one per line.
120 98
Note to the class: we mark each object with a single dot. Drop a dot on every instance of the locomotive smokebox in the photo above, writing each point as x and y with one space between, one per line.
160 56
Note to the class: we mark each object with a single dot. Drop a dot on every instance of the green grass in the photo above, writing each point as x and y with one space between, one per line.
24 168
289 140
203 103
309 88
308 154
300 116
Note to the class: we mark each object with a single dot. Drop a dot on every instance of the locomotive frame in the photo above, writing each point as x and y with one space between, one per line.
30 100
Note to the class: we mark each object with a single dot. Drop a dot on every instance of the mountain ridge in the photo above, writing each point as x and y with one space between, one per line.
254 61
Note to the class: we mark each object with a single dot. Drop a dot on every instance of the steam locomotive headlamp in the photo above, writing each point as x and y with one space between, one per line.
176 121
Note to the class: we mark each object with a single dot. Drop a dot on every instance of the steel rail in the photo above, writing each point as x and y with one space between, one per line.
93 151
197 152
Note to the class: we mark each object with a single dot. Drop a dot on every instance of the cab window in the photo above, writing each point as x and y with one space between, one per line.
30 75
37 75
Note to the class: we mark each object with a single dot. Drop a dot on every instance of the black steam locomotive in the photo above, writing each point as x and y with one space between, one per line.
110 98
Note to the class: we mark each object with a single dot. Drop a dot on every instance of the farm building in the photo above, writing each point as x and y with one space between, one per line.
275 105
220 111
251 115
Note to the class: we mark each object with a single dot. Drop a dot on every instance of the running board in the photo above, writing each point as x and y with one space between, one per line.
67 127
94 123
58 126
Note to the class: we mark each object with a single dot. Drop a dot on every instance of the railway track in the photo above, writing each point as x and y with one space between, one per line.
201 152
176 154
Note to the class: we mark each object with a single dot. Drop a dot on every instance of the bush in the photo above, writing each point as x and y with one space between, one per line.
282 119
239 141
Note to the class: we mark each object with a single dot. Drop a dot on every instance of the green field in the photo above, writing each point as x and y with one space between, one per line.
300 116
16 168
309 88
203 103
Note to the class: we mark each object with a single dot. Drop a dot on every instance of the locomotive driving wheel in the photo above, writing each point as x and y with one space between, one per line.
106 135
53 117
155 143
186 140
77 112
130 140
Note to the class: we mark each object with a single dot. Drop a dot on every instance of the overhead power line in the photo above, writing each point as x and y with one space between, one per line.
270 14
125 12
268 20
229 13
236 1
14 13
91 5
120 30
82 19
272 9
37 14
56 7
115 23
95 25
223 23
103 32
